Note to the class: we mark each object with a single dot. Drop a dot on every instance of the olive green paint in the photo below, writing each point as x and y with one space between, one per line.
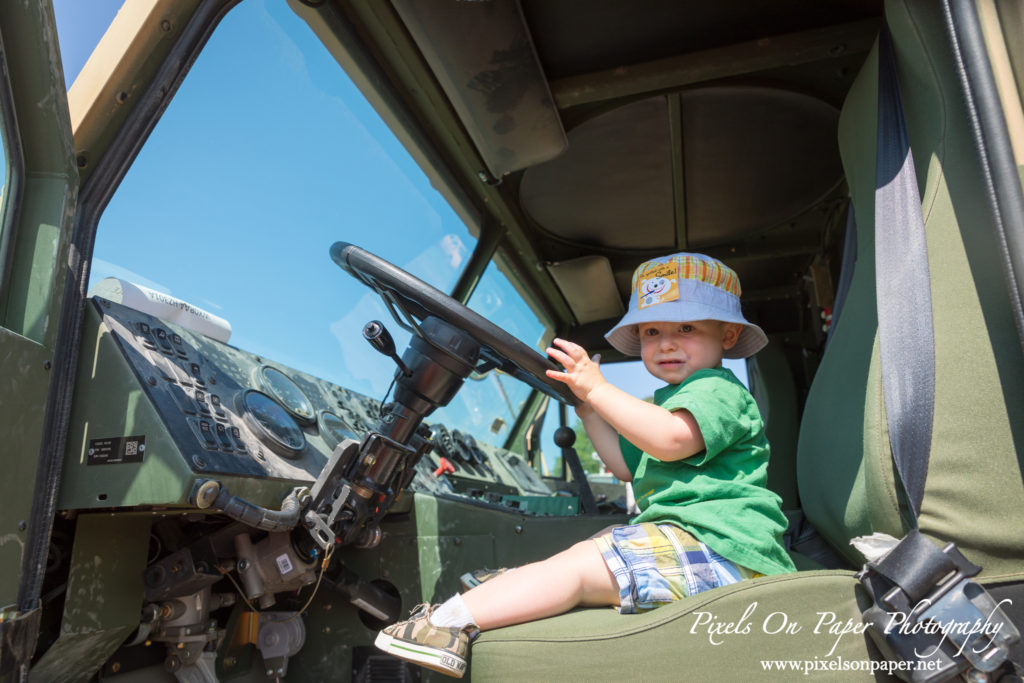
422 556
104 596
37 214
36 249
111 402
450 541
23 383
44 206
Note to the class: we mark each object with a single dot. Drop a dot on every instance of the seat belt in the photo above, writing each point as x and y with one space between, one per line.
924 598
906 335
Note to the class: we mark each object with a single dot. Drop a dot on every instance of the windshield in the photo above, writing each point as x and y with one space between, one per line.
491 403
267 155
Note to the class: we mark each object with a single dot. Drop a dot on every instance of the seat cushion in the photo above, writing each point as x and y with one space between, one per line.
724 633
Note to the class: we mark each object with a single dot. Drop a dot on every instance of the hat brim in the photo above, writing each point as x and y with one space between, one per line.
625 338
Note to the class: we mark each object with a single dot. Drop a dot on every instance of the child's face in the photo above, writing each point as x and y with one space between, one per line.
674 351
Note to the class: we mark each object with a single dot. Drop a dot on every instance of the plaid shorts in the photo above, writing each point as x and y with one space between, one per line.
655 564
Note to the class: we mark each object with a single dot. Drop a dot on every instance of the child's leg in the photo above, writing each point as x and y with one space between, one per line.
438 637
574 577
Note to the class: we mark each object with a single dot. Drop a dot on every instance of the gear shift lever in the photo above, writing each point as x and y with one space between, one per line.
380 339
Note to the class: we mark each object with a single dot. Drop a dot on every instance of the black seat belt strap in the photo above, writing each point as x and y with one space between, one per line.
928 592
906 333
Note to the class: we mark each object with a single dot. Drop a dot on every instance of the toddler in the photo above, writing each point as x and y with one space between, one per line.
697 458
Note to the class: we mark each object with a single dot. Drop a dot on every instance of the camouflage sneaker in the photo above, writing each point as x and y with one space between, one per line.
475 578
435 647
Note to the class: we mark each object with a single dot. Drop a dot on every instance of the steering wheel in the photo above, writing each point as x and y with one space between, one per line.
416 298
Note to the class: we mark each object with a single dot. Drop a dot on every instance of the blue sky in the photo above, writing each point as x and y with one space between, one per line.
266 156
80 24
236 169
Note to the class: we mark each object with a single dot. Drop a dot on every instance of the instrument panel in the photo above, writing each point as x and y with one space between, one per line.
198 409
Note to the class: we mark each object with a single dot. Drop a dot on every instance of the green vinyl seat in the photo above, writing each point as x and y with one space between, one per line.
974 491
702 638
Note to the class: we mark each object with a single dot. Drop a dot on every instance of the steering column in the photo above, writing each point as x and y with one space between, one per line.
362 479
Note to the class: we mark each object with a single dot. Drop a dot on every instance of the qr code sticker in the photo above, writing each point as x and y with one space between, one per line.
131 448
284 565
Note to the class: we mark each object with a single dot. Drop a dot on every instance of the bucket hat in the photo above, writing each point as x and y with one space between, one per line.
684 288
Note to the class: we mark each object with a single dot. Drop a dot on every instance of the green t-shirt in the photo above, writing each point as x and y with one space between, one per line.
718 495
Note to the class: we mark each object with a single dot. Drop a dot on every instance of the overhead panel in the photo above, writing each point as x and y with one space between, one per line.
588 285
752 157
613 188
755 157
484 60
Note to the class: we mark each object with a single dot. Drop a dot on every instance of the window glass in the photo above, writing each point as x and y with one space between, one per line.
267 155
490 403
80 25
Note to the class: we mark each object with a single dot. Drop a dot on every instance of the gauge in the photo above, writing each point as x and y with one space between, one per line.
272 424
467 445
478 453
287 392
443 443
334 429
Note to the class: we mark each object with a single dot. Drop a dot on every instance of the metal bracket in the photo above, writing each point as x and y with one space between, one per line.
927 609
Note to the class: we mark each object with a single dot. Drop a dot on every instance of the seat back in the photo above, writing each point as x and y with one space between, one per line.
974 491
771 383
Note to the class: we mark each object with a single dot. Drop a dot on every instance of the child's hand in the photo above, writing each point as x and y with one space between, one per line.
582 374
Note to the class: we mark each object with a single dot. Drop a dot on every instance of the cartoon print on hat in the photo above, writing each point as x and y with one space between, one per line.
658 285
685 287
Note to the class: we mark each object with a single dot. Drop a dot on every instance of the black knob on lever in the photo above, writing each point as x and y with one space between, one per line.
564 439
380 339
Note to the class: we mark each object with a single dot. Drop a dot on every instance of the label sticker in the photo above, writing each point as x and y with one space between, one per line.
659 284
284 565
116 451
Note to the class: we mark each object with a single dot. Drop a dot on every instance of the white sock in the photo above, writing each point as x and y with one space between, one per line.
452 614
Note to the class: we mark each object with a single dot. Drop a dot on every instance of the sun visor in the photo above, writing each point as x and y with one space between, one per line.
483 57
588 285
163 306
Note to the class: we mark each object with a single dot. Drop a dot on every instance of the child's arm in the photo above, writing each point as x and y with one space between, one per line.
606 442
664 435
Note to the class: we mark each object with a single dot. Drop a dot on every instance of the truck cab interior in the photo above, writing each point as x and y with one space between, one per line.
270 393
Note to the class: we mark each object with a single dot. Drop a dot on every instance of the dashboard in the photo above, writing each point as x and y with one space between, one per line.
159 408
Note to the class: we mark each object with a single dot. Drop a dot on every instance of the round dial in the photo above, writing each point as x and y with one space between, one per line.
287 392
273 425
334 429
